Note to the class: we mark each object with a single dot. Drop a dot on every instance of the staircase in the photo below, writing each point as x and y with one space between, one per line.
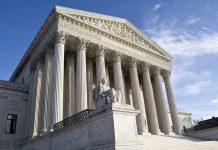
176 142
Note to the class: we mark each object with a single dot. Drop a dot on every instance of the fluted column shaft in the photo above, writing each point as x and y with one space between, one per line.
70 90
137 98
107 74
58 80
46 92
172 104
81 79
149 101
30 101
100 64
37 84
90 83
160 105
118 77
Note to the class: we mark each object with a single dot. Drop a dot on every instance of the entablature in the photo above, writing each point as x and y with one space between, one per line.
77 28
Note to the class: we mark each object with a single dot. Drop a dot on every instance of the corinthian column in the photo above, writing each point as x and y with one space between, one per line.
100 63
149 101
118 76
137 98
70 90
172 104
46 92
30 100
81 80
58 80
90 83
37 84
160 105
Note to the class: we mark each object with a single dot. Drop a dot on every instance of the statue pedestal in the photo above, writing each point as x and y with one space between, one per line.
114 127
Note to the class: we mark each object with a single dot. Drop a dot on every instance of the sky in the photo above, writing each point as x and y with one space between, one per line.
187 29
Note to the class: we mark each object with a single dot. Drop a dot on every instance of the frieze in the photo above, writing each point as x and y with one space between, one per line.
81 28
117 28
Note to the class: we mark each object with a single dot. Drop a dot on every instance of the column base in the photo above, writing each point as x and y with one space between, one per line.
156 133
50 128
42 132
35 134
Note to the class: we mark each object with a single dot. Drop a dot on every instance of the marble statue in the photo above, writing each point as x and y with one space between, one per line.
105 95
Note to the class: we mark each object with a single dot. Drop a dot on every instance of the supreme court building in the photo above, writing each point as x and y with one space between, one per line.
49 101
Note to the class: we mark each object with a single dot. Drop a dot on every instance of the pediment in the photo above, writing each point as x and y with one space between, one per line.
117 27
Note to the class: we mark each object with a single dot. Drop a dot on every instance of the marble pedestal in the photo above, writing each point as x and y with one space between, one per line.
113 128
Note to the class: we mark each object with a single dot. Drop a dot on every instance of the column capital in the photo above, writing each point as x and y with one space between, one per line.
132 62
49 51
33 66
100 50
156 70
60 37
116 57
69 54
82 44
145 66
166 74
37 62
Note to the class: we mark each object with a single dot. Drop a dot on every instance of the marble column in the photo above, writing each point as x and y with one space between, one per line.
30 101
137 99
118 76
81 79
129 93
100 64
90 83
46 92
57 80
107 74
171 102
160 105
70 90
37 89
149 100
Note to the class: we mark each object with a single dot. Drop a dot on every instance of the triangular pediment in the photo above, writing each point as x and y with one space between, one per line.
118 27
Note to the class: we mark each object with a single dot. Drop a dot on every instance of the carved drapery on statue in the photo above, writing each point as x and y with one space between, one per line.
104 95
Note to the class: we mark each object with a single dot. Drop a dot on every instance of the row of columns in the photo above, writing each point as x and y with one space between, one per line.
51 79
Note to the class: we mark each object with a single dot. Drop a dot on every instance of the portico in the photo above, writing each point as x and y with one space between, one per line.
74 50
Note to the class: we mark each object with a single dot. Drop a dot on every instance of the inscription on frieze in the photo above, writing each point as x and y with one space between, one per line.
117 28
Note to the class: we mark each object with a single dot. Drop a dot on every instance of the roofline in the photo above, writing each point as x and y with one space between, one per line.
118 19
57 9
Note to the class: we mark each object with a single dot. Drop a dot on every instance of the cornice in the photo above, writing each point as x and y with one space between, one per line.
138 42
13 86
86 14
52 20
68 22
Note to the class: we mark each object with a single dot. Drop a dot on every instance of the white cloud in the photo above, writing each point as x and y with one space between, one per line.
214 101
208 7
183 44
186 47
197 114
192 20
157 7
192 88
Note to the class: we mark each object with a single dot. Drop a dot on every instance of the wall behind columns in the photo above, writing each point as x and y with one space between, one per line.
12 102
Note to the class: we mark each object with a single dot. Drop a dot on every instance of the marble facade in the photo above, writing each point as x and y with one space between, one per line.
73 51
74 39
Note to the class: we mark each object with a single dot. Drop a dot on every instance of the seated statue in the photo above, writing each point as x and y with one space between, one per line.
105 95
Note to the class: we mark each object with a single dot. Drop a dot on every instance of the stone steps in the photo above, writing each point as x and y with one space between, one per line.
176 142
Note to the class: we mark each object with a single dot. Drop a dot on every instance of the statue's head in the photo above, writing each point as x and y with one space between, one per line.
103 81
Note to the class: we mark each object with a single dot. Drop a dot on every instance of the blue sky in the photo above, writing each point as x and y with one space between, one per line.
188 29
